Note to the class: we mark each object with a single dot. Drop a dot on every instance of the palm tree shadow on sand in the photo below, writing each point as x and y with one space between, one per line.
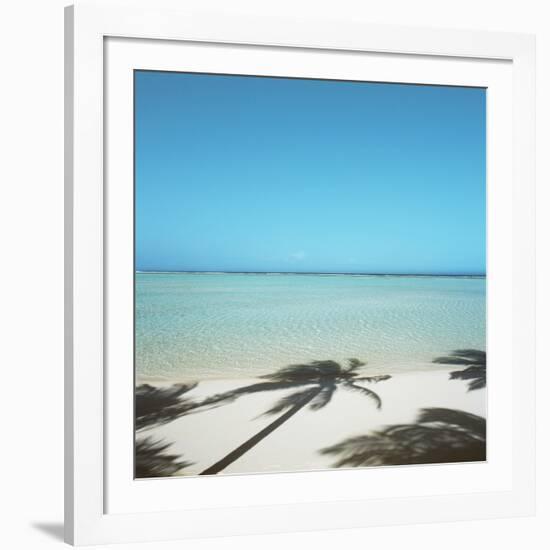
157 405
152 460
316 384
475 362
439 435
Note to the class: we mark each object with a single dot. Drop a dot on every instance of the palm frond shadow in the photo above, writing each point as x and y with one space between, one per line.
157 405
475 362
152 460
326 376
439 435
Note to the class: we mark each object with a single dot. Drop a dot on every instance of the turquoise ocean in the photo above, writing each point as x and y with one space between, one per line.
226 325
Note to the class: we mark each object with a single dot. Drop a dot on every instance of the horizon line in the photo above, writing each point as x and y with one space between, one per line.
238 272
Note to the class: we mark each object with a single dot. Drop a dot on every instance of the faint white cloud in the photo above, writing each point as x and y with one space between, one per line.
298 256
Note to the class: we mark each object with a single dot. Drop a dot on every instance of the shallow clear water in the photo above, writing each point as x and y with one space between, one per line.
226 325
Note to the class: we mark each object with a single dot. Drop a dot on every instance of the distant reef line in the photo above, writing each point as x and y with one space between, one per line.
192 272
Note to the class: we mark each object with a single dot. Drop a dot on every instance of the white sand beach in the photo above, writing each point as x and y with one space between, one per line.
206 435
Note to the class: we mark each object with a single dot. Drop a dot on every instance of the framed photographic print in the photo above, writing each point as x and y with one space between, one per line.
300 274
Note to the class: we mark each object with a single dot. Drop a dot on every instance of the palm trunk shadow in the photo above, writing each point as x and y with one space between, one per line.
255 439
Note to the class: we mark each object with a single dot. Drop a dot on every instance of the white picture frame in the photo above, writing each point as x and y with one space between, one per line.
103 503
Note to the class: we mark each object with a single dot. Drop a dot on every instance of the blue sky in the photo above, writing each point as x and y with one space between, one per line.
273 174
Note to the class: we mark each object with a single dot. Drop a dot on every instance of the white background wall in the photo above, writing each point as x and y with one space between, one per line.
31 288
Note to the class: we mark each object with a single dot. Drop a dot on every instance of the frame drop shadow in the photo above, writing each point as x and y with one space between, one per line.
55 530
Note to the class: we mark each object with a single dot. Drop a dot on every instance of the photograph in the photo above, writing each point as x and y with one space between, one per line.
309 274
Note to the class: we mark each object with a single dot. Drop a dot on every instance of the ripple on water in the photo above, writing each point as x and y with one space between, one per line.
200 325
